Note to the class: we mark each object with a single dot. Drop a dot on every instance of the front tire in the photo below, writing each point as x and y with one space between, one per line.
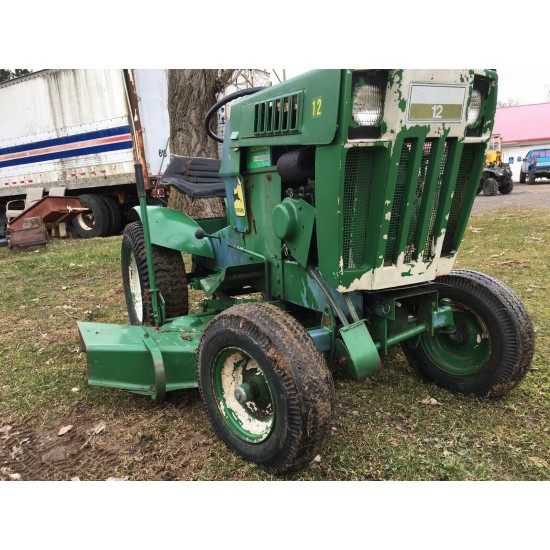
522 176
265 386
170 277
493 346
506 187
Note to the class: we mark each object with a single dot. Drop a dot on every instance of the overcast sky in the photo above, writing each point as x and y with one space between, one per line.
526 87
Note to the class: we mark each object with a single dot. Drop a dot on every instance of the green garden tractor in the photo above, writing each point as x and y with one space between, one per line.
348 193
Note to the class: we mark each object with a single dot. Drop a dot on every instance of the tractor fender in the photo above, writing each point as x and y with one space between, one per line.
173 229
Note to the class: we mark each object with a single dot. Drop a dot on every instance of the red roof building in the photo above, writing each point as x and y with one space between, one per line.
522 128
523 124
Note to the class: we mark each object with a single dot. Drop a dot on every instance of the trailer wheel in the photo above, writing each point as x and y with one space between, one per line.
265 386
170 277
95 223
490 187
115 217
493 345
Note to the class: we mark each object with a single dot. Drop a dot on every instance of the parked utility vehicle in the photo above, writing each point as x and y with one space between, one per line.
536 164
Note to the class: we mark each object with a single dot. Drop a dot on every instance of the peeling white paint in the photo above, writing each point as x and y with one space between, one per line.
385 237
393 276
388 216
387 203
399 92
231 377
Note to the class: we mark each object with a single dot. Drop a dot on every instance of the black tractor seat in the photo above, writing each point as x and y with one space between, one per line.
196 177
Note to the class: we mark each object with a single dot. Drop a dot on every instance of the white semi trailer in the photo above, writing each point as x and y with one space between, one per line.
79 132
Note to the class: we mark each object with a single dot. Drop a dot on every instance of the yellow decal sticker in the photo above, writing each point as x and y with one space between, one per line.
316 105
238 199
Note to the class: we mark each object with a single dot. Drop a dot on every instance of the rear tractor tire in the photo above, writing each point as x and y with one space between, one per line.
266 387
170 277
490 187
492 347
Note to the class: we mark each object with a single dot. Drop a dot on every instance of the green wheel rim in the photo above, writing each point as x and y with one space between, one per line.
252 421
464 352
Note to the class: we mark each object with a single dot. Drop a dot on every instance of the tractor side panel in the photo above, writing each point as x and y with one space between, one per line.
300 111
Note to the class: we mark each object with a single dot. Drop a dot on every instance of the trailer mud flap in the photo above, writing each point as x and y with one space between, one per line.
142 359
359 350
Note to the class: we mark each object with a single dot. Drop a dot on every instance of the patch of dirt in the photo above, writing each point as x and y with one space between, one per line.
154 442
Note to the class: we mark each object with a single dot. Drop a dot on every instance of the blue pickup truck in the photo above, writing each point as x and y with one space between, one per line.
536 164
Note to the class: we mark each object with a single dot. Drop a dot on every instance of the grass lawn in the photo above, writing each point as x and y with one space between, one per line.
382 429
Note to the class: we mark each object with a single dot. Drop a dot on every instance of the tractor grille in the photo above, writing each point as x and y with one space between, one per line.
416 206
405 179
428 252
278 116
402 171
464 172
357 188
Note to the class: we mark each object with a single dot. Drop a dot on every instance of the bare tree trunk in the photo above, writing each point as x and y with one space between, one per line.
191 93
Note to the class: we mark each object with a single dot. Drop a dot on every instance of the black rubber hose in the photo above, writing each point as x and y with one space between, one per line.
218 105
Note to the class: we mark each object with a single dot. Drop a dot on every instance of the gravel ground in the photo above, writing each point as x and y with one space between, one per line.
522 196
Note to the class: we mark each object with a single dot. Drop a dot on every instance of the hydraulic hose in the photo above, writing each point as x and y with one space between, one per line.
219 104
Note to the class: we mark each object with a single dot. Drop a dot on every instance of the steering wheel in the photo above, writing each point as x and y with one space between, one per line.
219 104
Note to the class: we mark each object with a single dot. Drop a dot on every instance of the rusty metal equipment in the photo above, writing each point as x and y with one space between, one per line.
30 227
348 193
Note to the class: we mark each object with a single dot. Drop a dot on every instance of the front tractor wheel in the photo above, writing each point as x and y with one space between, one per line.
265 386
491 346
170 277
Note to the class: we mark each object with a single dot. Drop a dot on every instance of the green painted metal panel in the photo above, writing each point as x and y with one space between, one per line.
314 97
432 181
363 358
328 162
174 229
118 356
454 156
468 195
292 221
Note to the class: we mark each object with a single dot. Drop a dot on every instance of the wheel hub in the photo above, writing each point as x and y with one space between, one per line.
464 350
244 395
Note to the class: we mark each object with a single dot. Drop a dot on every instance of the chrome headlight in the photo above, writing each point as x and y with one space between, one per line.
475 108
367 104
